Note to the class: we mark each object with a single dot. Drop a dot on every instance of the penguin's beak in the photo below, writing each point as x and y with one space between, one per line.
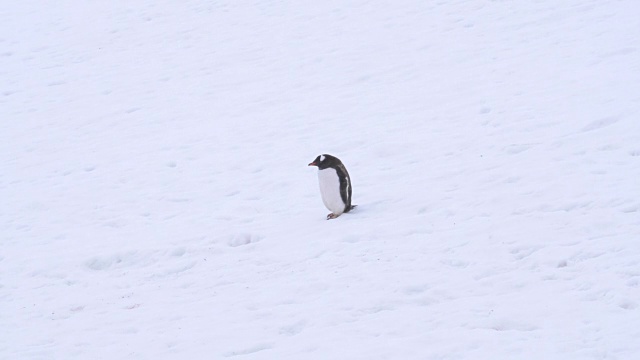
313 164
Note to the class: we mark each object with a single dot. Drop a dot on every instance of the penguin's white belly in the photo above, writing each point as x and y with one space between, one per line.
330 190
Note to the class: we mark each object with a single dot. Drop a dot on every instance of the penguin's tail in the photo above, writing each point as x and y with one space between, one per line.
350 207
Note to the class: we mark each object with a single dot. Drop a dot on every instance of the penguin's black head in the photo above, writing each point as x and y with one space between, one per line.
325 161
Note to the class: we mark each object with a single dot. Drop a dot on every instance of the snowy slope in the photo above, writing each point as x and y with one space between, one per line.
157 203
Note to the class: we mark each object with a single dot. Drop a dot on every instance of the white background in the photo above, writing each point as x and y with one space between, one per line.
156 201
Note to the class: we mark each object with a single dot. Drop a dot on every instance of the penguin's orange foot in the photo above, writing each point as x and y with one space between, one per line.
332 216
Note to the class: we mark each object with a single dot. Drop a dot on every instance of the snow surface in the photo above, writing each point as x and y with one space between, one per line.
157 204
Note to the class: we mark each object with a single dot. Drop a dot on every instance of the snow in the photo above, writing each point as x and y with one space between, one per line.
157 202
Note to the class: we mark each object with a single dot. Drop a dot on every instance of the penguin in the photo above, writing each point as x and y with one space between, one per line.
335 185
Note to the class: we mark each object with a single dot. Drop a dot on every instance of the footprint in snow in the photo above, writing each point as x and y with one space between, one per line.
243 239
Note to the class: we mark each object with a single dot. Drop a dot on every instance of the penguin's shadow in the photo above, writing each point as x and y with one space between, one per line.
366 208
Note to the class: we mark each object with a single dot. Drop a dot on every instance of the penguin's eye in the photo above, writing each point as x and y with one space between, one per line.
321 158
